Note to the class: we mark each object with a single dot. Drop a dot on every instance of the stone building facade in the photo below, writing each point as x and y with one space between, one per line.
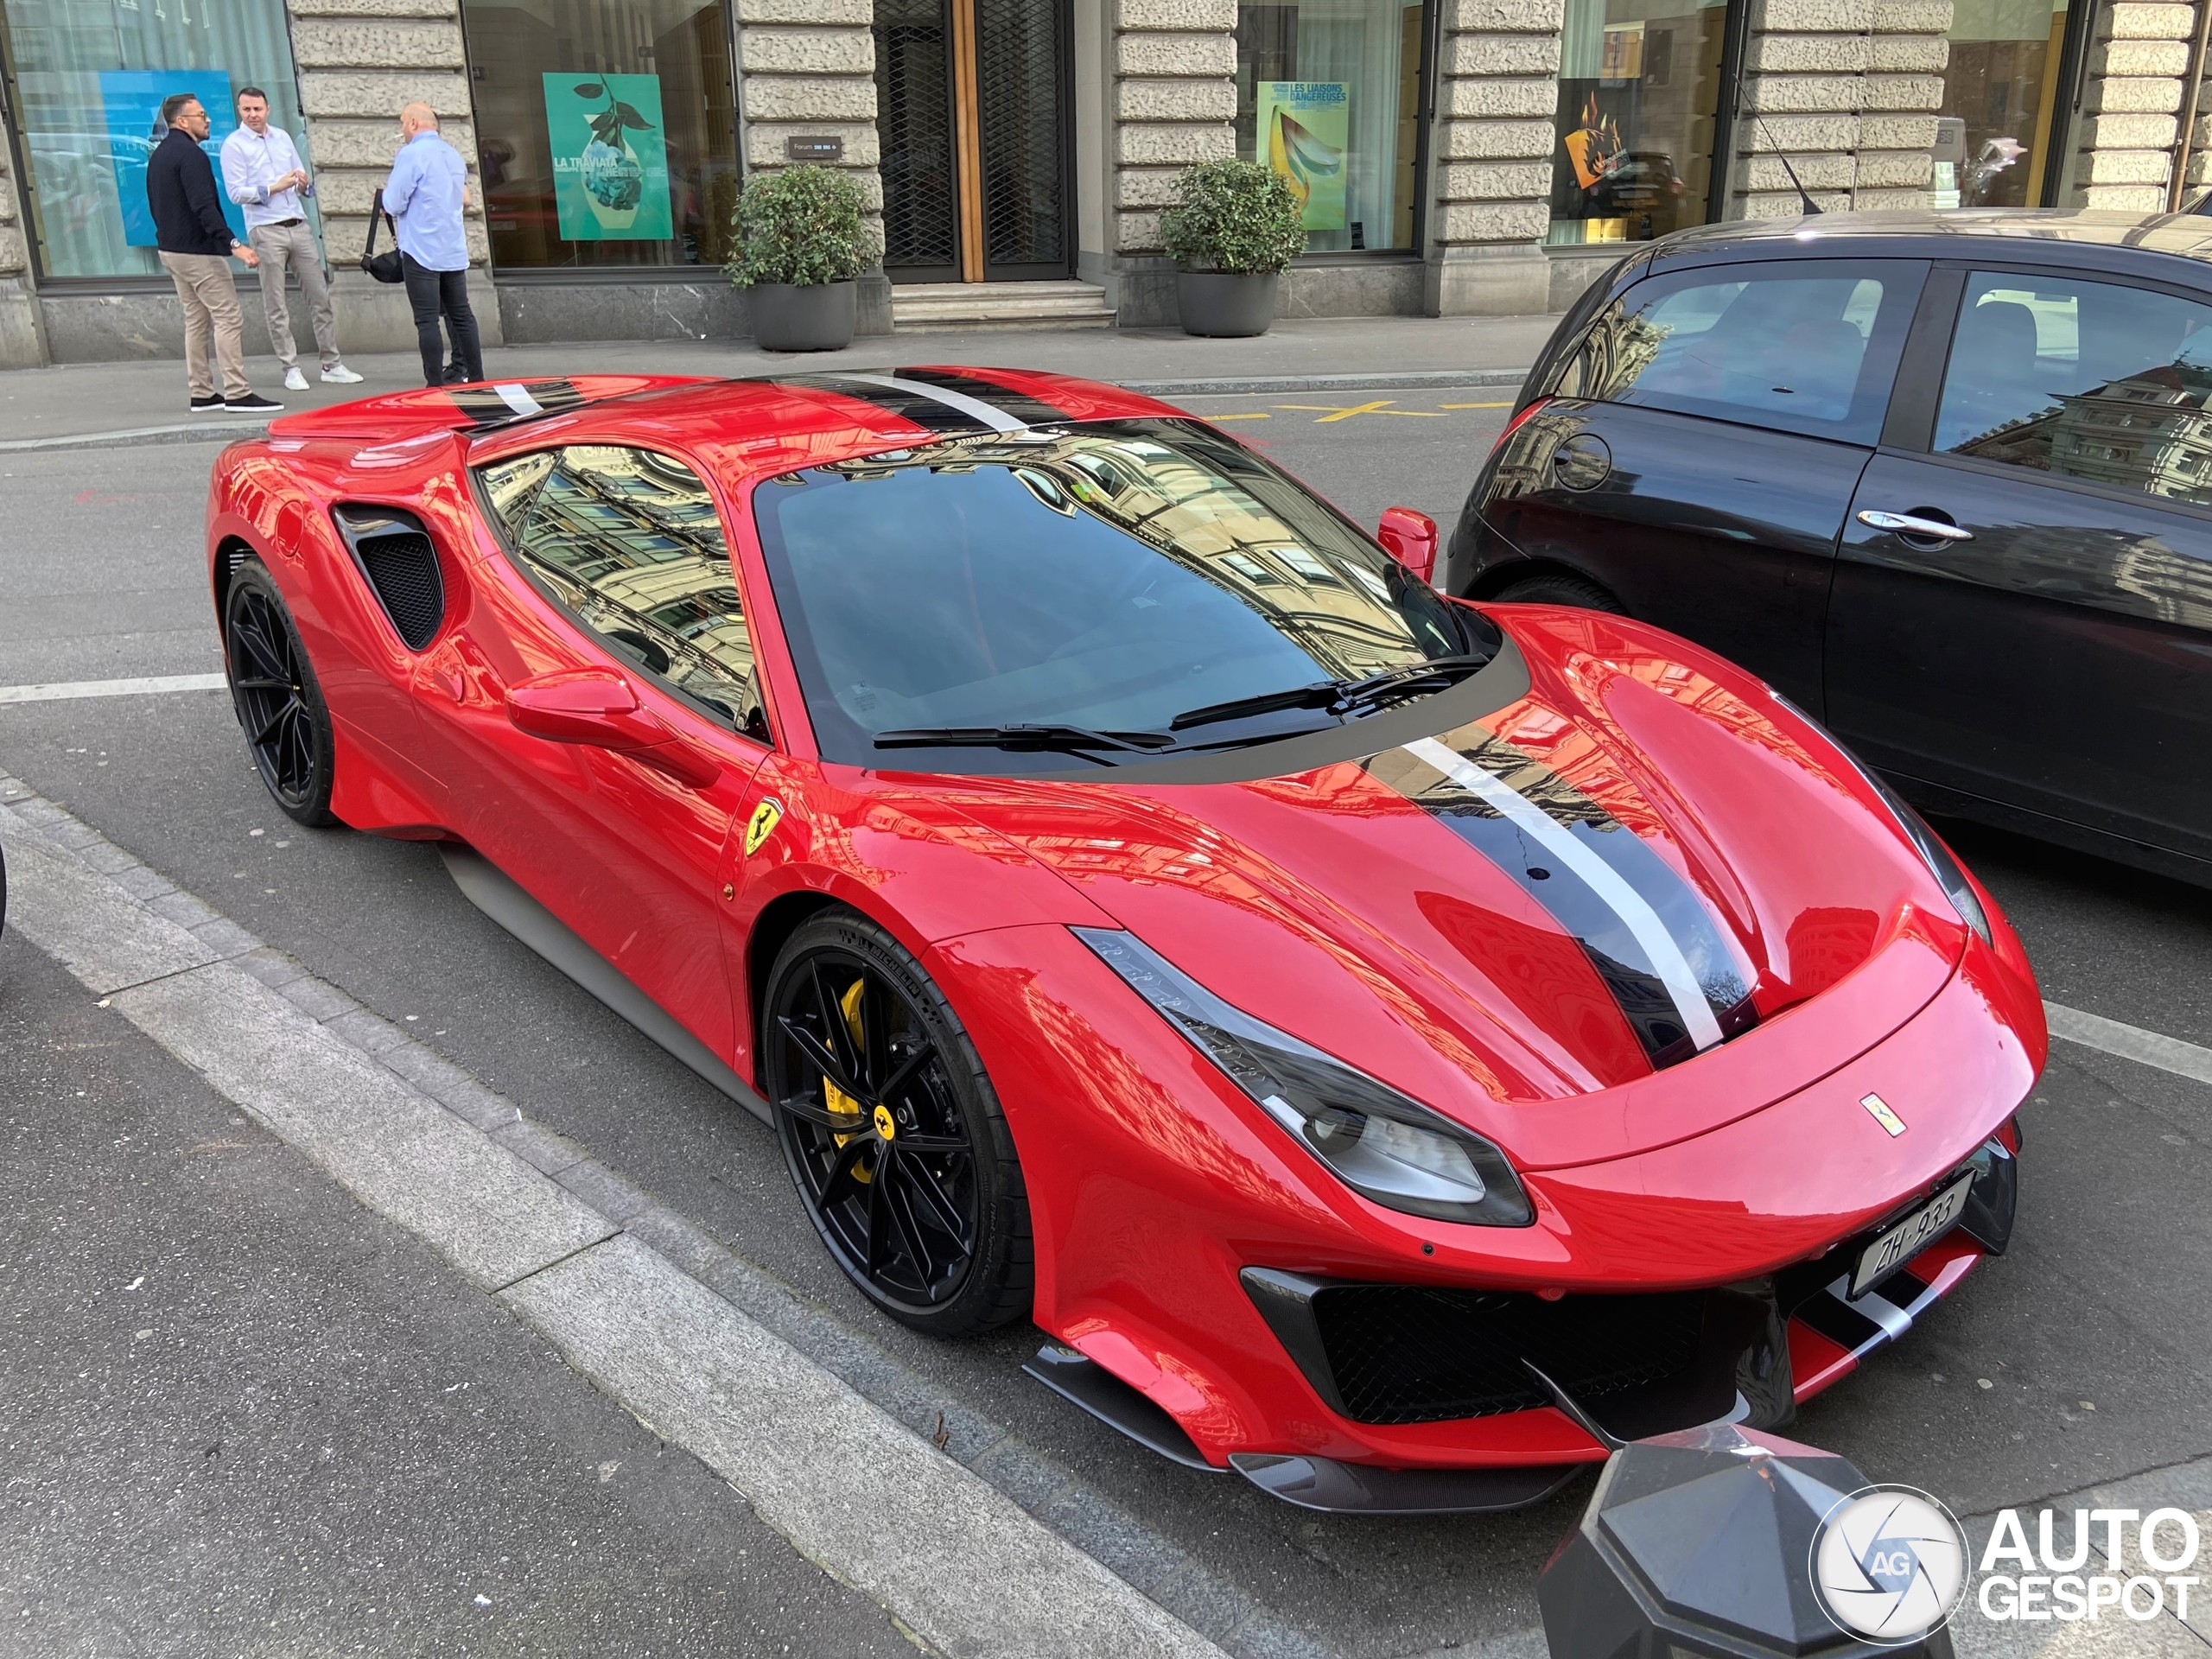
1464 211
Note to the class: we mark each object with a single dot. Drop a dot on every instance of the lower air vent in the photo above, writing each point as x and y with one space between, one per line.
395 558
1639 1365
1410 1354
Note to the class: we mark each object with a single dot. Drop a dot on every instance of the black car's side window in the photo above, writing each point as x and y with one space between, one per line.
629 543
2094 381
1811 347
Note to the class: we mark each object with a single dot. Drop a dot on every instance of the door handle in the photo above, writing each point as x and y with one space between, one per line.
1905 524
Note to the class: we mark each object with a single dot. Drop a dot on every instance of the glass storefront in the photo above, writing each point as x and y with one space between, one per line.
1998 97
90 76
1328 93
1639 93
606 130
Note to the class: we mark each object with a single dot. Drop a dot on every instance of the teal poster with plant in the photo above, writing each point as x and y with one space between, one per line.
610 159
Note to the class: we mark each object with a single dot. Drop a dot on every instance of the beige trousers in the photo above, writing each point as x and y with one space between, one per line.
211 319
293 246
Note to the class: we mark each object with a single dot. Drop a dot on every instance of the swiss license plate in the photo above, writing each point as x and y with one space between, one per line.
1911 1235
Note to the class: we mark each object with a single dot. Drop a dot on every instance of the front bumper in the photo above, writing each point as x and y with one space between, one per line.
1622 1366
1155 1183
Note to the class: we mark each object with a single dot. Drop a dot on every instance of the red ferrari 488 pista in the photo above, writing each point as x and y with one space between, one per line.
1396 1048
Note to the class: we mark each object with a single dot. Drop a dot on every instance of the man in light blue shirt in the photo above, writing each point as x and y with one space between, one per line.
427 196
262 173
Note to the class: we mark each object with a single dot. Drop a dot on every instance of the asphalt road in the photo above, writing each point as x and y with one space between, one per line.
2079 1357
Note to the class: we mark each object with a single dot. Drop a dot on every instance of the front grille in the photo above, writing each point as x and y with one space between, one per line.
403 568
1418 1354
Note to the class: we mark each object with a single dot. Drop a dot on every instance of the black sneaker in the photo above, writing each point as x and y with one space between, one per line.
203 405
252 404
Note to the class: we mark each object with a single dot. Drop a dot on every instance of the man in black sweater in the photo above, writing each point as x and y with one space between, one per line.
195 243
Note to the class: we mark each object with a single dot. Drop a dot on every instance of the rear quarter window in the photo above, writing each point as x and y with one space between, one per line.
1811 347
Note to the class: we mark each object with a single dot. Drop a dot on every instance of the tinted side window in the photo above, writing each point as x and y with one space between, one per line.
1811 347
2085 381
628 541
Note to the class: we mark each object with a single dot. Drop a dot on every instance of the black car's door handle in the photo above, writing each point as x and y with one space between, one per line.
1905 524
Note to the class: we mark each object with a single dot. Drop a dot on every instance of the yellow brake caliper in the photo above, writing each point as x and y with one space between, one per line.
839 1103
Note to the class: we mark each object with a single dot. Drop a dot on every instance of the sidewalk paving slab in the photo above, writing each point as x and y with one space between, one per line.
144 401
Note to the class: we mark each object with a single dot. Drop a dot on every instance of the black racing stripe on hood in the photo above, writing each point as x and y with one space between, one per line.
1024 407
508 401
1636 982
940 419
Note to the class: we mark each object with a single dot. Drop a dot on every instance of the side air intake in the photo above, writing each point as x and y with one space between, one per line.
397 560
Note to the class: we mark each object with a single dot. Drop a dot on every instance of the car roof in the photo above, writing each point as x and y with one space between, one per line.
773 424
2090 238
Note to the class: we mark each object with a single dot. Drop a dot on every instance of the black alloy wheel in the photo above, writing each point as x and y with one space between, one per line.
892 1131
279 705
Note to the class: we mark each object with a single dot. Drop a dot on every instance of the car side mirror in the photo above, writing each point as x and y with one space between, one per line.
596 707
1410 538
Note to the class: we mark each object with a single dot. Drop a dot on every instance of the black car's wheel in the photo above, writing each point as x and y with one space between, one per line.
1561 589
893 1131
279 705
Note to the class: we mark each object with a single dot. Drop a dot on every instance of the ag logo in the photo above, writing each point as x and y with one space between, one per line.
1890 1564
766 818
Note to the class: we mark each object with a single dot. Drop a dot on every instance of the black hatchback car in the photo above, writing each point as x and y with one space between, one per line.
1943 480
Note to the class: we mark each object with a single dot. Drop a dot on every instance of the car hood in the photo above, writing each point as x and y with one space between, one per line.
1637 900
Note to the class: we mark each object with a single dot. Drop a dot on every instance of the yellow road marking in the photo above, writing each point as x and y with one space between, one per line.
1478 405
1381 406
1261 416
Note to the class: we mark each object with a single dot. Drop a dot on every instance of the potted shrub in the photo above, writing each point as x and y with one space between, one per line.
1235 228
798 246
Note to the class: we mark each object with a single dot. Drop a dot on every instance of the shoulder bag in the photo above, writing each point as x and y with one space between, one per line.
385 267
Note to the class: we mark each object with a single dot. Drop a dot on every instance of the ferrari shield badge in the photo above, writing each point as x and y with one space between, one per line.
1879 1109
766 818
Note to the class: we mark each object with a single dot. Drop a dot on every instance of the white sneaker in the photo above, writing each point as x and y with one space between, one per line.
339 375
295 381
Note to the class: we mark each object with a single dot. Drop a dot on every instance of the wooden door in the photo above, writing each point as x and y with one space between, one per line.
974 101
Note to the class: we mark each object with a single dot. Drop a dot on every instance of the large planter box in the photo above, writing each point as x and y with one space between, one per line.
1225 306
789 318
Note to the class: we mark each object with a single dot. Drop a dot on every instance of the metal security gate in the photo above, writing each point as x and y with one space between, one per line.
973 105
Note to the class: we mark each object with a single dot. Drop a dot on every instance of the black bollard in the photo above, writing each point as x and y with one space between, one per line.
1702 1542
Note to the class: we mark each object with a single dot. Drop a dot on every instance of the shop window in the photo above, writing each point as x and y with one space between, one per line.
90 76
1998 97
1639 95
606 130
1328 93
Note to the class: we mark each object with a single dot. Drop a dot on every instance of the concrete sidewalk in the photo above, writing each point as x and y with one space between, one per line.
122 403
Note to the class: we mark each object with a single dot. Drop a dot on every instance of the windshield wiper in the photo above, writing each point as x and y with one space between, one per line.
1320 694
1068 739
1336 696
1391 681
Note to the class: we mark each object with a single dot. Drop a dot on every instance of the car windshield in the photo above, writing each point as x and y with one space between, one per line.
1100 579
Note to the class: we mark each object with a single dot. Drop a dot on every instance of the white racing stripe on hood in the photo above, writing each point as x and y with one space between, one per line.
517 397
974 407
1641 920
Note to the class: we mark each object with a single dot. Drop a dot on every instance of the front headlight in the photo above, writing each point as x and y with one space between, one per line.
1380 1143
1933 852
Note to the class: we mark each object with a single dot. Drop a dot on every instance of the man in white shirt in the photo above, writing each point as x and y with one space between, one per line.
262 172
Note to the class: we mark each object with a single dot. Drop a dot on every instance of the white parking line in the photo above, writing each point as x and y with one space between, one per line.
856 1490
144 686
2130 1042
